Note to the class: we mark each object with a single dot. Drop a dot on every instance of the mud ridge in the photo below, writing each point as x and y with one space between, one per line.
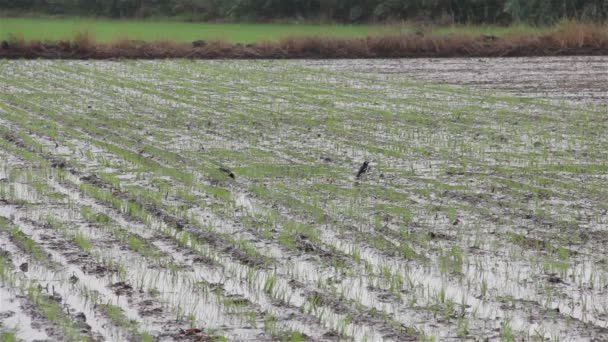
572 40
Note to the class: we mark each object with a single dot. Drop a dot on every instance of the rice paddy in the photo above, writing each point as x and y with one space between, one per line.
228 200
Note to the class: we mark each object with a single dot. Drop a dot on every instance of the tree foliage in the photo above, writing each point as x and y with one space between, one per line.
461 11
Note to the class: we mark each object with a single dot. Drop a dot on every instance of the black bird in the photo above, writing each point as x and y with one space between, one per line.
73 278
227 171
363 169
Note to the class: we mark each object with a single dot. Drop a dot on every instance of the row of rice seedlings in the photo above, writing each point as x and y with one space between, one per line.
7 335
139 211
146 283
227 301
107 258
85 244
313 240
86 212
32 289
281 294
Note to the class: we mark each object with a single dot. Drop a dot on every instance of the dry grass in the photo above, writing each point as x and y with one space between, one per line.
570 39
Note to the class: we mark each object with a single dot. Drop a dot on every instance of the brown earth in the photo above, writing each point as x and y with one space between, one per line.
574 39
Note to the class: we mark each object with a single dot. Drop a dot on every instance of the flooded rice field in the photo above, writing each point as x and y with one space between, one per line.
227 200
576 79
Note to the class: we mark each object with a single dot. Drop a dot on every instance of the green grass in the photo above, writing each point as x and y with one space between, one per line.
106 30
109 30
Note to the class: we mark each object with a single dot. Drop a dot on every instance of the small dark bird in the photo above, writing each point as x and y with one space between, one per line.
227 171
554 279
363 169
81 317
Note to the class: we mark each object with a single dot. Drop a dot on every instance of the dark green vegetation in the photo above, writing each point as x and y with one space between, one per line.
446 11
482 215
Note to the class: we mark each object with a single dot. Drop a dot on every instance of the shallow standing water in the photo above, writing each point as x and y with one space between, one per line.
187 199
580 79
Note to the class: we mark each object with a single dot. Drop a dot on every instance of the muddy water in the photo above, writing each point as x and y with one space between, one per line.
577 79
452 179
14 316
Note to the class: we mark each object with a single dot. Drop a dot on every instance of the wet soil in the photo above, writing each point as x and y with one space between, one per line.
479 205
580 79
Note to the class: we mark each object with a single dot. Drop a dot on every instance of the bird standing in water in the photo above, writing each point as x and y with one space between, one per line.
227 171
363 169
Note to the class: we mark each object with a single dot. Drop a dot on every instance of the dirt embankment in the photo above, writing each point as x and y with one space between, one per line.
575 39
